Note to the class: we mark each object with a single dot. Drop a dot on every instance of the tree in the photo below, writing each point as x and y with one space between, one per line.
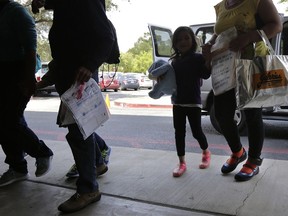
139 58
283 1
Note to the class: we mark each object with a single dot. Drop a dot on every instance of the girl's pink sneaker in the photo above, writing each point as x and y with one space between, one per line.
178 171
206 158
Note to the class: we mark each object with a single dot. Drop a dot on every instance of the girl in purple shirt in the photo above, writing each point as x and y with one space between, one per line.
190 68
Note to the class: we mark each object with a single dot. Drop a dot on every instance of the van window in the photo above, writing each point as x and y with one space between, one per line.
204 33
162 42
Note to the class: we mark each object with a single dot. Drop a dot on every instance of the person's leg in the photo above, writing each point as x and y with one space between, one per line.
84 156
31 144
255 132
179 122
194 118
10 139
101 143
11 144
101 166
99 159
105 150
225 106
255 139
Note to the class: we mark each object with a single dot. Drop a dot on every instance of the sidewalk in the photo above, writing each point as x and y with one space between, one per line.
139 182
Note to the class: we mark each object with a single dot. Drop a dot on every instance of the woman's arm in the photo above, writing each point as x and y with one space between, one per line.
206 51
270 17
271 25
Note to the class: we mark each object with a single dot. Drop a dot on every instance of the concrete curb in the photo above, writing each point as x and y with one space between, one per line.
144 102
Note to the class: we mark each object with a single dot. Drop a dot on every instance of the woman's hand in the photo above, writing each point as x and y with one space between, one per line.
206 52
240 42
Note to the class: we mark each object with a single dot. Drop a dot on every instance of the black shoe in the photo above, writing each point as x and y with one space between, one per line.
227 168
243 175
43 165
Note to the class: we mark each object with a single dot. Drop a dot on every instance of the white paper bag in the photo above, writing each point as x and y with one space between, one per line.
223 62
223 72
87 106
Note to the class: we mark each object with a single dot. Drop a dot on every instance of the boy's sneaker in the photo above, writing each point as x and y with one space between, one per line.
103 168
43 165
73 172
106 154
11 176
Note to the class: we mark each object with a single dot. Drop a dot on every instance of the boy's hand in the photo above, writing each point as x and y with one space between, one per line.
27 87
83 75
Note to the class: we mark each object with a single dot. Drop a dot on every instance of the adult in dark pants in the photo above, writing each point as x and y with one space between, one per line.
18 60
81 39
102 151
241 14
102 159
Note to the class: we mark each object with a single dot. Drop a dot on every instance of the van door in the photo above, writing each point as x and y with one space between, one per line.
161 41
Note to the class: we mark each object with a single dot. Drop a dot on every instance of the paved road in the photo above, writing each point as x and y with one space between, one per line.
145 124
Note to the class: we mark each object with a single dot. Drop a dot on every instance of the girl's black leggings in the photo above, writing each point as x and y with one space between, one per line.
179 120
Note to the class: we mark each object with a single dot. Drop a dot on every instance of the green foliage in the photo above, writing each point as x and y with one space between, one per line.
283 1
139 58
110 5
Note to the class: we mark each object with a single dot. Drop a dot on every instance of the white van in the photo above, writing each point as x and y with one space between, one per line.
162 43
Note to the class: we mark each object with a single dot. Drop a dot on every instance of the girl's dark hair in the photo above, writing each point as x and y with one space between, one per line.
187 29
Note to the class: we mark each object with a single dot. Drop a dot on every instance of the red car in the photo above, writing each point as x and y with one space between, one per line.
108 81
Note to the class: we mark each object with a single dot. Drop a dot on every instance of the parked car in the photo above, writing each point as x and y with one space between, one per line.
38 76
145 82
161 41
129 81
108 81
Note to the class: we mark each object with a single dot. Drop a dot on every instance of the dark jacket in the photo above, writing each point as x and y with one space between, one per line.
80 35
189 72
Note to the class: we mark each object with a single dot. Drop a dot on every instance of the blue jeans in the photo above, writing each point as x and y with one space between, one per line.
101 145
15 135
85 157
